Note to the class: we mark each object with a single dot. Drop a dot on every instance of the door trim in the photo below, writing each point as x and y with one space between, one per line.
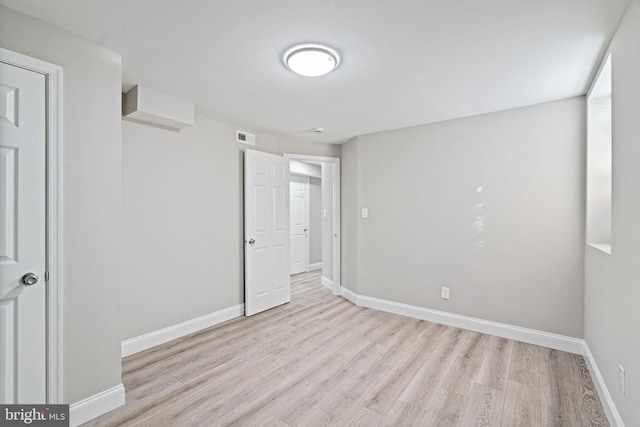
335 213
53 77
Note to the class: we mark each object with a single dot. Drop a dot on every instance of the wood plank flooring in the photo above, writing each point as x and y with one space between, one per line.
322 361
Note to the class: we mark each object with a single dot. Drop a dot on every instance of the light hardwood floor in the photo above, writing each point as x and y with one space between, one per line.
321 360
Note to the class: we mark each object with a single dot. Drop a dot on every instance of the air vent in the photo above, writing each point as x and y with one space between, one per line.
245 137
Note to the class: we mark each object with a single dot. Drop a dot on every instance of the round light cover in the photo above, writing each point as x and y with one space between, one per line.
311 59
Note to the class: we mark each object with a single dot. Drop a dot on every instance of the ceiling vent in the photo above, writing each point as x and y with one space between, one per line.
157 109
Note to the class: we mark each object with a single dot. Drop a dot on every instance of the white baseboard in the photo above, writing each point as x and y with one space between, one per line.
603 392
161 336
517 333
315 266
96 405
328 283
349 294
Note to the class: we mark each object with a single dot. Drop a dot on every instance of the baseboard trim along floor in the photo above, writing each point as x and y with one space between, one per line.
326 282
315 266
603 392
161 336
529 336
96 405
517 333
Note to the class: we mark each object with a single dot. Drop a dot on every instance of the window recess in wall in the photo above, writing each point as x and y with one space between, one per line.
599 160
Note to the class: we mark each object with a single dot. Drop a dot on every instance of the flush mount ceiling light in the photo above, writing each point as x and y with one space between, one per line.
311 59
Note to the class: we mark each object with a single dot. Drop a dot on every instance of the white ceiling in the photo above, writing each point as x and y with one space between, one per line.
405 62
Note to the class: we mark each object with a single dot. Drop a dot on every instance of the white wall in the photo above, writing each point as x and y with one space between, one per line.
612 292
490 206
182 220
181 251
315 220
91 178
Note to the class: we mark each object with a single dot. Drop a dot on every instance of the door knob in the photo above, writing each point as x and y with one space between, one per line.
252 241
29 279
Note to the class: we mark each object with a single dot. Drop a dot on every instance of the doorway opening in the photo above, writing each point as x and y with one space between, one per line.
316 248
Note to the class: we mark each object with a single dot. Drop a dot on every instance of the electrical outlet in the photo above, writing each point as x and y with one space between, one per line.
444 293
621 378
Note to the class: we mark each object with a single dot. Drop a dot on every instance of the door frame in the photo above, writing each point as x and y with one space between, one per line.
53 275
337 237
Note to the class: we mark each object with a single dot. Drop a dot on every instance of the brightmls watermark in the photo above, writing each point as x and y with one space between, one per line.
34 415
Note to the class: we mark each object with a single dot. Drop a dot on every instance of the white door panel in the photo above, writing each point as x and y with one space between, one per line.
22 235
267 282
299 189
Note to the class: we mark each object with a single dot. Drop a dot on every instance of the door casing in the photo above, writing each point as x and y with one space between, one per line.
53 128
335 214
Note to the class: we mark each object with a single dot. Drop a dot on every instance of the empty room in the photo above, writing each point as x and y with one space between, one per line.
309 213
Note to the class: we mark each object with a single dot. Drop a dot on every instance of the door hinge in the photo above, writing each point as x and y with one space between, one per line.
46 276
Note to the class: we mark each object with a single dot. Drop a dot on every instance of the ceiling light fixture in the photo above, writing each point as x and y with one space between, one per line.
311 59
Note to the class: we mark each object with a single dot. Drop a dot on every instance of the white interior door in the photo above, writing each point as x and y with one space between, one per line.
22 236
266 227
299 202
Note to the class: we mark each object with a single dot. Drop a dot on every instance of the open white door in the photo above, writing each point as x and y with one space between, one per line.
266 228
22 236
299 203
